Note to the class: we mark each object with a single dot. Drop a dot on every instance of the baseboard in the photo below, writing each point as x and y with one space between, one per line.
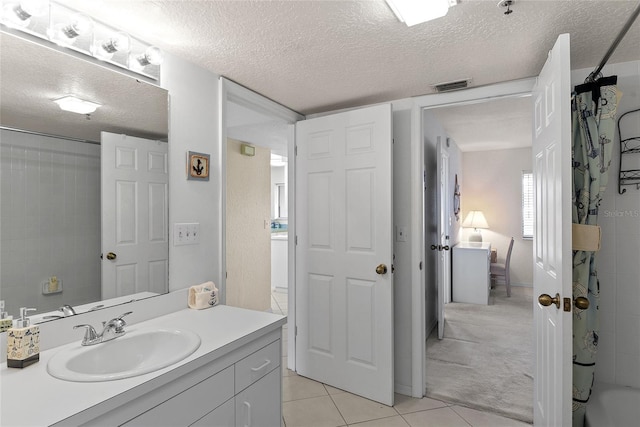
403 389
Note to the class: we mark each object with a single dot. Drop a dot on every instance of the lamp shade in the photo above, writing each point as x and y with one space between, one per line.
475 219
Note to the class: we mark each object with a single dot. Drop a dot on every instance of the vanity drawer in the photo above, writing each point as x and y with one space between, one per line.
189 406
257 365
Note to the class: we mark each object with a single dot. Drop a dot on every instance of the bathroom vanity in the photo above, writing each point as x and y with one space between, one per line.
233 378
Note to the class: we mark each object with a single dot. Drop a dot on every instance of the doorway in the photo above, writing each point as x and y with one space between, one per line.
267 128
476 162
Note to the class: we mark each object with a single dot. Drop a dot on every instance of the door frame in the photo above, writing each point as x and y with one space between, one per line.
233 92
470 96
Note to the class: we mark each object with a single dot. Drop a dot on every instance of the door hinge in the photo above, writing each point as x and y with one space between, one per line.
420 265
296 239
393 140
295 150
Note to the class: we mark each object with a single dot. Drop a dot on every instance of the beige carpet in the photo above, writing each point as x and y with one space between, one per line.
485 360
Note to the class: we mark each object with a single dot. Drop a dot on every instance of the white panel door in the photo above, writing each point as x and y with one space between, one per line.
344 230
444 260
135 224
552 238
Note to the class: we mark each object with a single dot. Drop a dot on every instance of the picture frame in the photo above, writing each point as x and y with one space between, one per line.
198 165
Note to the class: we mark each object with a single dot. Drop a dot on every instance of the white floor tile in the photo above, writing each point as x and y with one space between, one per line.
297 387
486 419
406 404
396 421
356 409
441 417
313 412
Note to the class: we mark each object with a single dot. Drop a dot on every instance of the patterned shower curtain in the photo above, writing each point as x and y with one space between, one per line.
594 108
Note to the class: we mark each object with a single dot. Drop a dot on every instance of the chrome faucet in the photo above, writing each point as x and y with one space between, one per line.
67 310
111 330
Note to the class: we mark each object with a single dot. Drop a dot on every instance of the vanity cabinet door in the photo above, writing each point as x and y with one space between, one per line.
260 405
223 416
190 405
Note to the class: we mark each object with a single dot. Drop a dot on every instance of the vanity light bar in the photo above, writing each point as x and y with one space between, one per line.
66 27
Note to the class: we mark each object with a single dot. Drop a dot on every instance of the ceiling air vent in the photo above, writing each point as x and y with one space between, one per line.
449 86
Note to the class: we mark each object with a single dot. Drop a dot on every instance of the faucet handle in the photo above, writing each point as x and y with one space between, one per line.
118 322
90 334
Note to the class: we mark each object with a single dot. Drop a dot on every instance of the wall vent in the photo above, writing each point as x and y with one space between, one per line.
449 86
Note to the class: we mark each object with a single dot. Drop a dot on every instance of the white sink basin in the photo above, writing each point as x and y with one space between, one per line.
136 353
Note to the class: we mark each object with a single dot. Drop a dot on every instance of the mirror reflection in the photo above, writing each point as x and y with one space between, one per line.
52 183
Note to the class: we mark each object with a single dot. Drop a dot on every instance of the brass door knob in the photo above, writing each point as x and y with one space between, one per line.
582 303
434 247
445 248
381 269
546 300
111 256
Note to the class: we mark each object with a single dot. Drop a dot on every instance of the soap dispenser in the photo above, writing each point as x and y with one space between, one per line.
5 321
23 342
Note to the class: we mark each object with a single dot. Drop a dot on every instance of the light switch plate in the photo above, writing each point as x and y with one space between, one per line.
401 234
186 233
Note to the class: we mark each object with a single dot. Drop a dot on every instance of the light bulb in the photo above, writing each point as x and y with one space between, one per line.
152 55
66 34
18 14
105 49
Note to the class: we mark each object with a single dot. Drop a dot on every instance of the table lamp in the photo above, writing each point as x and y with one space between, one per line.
475 220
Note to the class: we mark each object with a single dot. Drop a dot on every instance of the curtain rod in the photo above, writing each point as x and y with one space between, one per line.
594 74
48 135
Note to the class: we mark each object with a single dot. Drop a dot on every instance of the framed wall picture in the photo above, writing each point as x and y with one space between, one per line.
198 166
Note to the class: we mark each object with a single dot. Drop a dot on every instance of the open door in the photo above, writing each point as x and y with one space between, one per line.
552 239
135 210
344 253
444 259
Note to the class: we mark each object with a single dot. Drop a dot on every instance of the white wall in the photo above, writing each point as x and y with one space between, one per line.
402 250
493 184
618 266
277 177
50 220
193 126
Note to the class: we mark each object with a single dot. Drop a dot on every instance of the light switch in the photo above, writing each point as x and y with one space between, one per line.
186 234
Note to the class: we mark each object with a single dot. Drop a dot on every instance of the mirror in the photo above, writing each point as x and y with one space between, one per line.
50 171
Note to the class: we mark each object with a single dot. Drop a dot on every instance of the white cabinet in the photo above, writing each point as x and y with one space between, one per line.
279 262
259 404
471 263
241 388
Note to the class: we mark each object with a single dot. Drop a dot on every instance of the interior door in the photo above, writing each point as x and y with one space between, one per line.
552 238
344 272
135 210
444 267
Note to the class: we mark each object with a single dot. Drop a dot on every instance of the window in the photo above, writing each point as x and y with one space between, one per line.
527 205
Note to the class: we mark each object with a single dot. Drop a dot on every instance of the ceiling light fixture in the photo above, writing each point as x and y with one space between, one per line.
413 12
76 105
56 23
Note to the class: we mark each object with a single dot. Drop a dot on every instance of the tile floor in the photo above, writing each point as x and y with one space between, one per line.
310 403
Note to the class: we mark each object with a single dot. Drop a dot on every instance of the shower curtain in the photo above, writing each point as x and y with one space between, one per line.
594 107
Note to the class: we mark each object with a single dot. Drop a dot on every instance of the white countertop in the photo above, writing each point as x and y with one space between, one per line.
474 245
32 397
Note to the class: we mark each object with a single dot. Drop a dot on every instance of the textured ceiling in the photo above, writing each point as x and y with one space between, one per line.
315 55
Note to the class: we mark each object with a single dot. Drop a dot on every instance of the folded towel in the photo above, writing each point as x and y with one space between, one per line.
202 296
